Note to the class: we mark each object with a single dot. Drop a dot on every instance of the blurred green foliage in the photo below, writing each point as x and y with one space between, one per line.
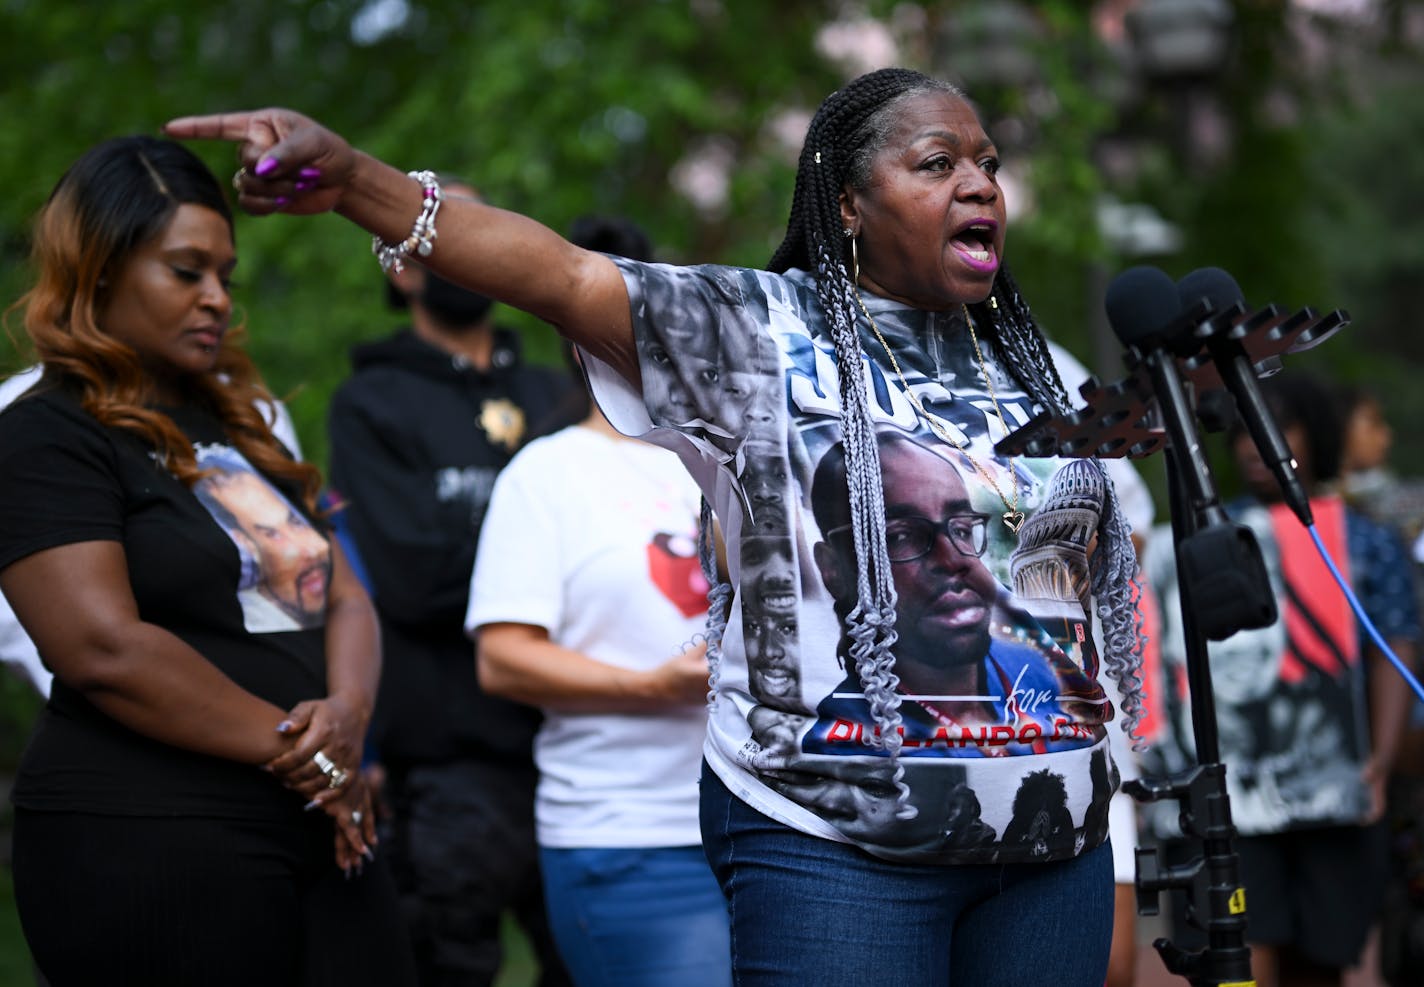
560 107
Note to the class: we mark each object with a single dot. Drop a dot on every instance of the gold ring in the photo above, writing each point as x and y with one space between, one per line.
237 177
338 778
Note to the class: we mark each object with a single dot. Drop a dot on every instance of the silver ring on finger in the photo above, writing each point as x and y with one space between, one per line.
326 764
237 177
338 778
356 816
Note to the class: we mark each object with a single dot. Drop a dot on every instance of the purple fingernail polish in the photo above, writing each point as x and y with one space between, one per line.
304 186
265 167
281 200
284 726
366 852
311 805
309 173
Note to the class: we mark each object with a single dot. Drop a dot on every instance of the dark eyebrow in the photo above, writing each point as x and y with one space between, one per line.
952 138
944 135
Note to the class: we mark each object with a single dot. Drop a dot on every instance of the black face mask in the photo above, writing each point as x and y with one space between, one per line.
453 306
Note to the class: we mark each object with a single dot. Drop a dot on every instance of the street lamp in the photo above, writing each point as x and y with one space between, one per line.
990 44
1180 39
1181 45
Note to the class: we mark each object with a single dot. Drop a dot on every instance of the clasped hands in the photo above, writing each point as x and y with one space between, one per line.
323 766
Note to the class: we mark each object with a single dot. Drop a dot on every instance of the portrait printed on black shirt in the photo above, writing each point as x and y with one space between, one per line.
286 562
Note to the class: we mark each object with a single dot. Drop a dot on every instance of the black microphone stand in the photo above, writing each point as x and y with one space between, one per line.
1216 902
1223 588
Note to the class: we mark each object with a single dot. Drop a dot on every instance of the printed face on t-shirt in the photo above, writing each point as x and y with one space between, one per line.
773 659
859 799
765 483
705 374
945 597
292 559
769 575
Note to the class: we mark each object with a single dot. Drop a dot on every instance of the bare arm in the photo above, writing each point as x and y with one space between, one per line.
1390 700
518 661
76 603
297 166
353 639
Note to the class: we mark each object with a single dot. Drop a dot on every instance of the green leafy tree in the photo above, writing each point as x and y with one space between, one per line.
559 107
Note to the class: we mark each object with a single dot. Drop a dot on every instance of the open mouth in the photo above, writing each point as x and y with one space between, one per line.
775 681
975 243
779 602
777 592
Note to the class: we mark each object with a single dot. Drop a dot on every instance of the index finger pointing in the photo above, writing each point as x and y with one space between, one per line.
214 126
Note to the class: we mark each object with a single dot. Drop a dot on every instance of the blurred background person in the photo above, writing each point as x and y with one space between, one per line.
16 649
418 432
150 846
1370 486
1367 480
586 595
1309 711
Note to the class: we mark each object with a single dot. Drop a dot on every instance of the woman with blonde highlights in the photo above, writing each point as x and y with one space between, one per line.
167 827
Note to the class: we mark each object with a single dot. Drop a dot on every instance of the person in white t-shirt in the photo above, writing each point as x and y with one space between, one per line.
584 597
587 597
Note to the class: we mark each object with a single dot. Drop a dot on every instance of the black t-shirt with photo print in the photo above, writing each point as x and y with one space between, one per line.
64 479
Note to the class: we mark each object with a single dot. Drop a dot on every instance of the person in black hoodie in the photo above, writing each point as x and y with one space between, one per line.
418 432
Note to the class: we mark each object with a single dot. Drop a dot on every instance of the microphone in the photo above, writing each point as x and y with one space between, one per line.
1220 291
1221 573
1143 310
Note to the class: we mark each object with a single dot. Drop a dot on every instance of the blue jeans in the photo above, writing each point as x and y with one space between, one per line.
807 910
637 917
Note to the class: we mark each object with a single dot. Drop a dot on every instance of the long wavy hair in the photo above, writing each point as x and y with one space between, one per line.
117 197
850 127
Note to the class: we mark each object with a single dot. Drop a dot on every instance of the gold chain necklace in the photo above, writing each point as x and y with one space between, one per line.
1012 517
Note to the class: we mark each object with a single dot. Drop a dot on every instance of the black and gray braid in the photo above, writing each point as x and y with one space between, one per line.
850 126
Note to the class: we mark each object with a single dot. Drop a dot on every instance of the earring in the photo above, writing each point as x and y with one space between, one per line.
854 261
847 232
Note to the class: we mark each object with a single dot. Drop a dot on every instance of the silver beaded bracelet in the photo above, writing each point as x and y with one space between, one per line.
391 256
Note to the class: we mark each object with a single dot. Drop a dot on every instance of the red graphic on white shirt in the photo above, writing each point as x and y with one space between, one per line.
675 571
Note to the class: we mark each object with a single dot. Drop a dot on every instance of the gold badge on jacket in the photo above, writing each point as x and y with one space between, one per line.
503 422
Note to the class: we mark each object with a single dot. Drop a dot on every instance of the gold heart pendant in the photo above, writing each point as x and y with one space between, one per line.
1013 520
